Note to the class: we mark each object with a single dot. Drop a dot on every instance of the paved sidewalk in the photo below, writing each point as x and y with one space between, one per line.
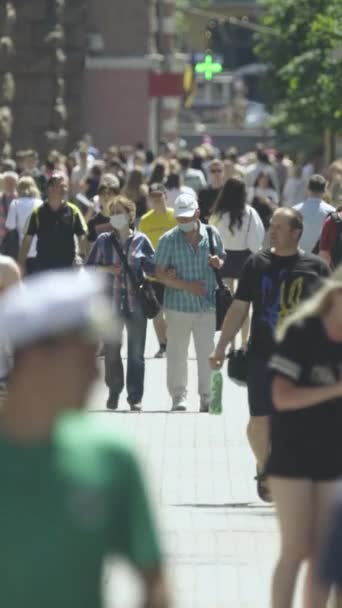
220 540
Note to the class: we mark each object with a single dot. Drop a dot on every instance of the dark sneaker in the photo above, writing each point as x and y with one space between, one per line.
161 352
263 489
135 407
112 402
204 405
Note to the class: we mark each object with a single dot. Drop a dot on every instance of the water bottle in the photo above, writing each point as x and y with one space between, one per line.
216 387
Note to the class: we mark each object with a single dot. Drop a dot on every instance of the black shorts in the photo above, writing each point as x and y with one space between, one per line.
159 289
259 386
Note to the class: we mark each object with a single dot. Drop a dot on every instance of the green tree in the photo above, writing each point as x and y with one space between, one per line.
305 77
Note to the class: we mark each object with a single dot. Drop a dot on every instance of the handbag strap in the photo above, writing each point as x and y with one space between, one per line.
123 258
210 233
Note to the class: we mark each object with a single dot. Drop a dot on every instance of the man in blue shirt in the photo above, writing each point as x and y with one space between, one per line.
314 211
186 267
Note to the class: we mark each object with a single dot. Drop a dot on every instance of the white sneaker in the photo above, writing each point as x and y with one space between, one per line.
179 405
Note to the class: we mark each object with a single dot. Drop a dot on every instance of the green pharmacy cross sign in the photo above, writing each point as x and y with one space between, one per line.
208 67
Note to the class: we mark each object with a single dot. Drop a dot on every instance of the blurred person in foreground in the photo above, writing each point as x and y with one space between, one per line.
72 493
305 464
9 275
275 282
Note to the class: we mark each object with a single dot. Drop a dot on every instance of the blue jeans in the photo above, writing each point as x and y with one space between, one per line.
136 324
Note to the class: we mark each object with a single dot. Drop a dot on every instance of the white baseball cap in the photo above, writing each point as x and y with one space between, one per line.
55 303
185 205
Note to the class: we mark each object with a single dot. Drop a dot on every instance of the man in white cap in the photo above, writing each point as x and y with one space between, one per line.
185 265
71 491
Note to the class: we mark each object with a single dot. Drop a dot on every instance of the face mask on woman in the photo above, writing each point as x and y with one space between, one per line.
189 227
119 221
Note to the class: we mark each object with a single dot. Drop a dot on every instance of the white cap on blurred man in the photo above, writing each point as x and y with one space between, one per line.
53 304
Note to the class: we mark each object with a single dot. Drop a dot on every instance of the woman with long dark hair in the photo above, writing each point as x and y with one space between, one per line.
241 231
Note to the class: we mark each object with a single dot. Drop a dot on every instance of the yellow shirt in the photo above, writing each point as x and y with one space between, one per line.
154 225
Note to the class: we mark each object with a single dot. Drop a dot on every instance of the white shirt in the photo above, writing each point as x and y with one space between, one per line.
314 212
194 178
18 218
249 236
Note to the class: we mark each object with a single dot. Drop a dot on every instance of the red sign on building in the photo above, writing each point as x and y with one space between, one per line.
167 84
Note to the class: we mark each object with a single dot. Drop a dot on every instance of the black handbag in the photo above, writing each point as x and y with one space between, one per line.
238 366
144 290
223 295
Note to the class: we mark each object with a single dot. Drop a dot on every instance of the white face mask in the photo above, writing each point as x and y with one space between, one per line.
119 221
189 227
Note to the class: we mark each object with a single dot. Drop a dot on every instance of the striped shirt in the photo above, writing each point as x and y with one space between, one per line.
175 252
139 252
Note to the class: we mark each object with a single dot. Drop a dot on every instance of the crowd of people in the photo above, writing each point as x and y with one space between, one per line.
163 228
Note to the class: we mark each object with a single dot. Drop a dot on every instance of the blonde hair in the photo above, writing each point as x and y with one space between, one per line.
28 187
316 306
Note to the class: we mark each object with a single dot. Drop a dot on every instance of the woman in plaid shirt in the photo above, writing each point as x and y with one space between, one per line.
139 251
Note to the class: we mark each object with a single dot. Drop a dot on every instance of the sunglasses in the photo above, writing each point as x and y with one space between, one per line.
216 171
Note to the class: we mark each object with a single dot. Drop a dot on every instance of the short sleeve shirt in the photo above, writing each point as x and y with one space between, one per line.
55 231
191 264
66 505
276 285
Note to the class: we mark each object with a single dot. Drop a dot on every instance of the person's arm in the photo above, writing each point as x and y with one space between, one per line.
163 275
217 260
23 251
97 258
287 396
234 320
137 537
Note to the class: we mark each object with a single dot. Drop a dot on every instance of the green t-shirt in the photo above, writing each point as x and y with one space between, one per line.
64 506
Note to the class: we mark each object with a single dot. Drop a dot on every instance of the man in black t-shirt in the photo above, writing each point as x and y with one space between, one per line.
207 196
56 224
275 282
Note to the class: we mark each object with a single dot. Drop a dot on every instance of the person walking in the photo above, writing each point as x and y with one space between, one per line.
314 211
154 224
57 225
185 265
138 250
242 233
19 213
275 282
208 195
72 493
307 399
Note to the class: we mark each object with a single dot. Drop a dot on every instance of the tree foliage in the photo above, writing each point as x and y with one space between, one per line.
302 50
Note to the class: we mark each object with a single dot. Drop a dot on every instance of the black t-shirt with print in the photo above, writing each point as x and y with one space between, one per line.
307 442
276 285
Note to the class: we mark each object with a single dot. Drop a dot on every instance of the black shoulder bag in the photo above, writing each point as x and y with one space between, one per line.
144 290
223 294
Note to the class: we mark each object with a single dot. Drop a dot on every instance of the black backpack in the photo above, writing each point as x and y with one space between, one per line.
336 254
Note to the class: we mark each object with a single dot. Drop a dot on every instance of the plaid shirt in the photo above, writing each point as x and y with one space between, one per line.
139 252
174 251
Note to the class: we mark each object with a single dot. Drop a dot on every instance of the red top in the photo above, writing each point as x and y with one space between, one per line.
329 235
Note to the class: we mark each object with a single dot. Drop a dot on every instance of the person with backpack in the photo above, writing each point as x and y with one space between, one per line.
56 223
330 247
